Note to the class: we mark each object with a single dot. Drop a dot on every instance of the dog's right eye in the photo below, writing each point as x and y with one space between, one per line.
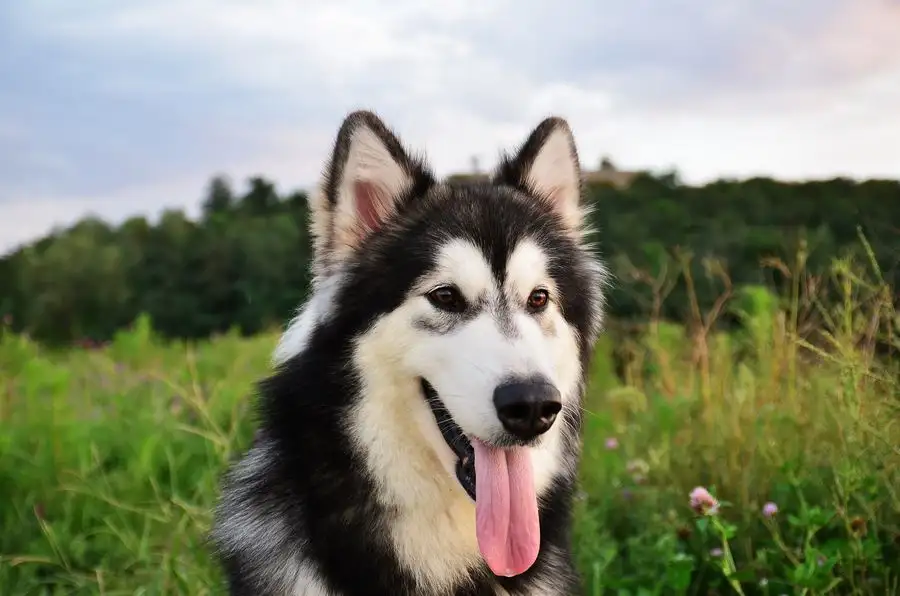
447 298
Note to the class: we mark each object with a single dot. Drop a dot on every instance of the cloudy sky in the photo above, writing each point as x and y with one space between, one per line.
120 107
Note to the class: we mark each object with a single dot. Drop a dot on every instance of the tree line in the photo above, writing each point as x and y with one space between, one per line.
244 262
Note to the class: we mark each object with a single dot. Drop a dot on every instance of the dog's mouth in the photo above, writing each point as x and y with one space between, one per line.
455 439
506 510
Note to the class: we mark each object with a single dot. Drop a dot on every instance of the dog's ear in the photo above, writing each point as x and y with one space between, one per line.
367 181
546 166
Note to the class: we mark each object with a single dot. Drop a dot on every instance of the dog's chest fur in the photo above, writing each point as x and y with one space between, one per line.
429 550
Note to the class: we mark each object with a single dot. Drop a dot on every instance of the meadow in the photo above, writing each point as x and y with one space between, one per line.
110 455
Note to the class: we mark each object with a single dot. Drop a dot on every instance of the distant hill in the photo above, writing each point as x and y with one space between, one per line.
606 173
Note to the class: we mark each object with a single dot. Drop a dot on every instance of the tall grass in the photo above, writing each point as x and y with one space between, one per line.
110 458
799 410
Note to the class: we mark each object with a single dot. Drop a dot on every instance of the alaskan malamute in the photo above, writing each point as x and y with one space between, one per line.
420 433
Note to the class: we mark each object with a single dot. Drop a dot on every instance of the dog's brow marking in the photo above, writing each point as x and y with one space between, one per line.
461 262
465 264
526 269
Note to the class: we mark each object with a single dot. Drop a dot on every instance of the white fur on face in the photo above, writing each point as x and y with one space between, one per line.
392 419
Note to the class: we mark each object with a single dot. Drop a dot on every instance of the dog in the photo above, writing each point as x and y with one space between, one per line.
419 433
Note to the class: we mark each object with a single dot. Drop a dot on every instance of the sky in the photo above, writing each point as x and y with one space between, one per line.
117 108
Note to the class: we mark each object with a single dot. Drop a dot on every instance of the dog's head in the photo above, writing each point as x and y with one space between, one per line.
482 296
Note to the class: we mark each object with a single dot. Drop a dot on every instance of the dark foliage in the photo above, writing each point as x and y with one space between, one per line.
244 262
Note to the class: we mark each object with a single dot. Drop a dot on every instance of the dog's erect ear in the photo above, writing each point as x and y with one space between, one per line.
547 166
369 178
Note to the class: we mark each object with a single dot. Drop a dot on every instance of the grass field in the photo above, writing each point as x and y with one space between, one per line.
110 458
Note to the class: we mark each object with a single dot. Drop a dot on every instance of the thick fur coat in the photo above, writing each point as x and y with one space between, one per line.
428 296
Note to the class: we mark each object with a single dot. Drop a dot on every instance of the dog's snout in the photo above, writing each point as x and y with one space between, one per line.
527 409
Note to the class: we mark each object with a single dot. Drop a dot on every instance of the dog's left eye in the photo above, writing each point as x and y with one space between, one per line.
447 298
538 299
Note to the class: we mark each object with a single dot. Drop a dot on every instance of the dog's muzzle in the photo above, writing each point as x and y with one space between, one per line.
454 437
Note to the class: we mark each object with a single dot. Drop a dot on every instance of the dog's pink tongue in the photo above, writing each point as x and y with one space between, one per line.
506 511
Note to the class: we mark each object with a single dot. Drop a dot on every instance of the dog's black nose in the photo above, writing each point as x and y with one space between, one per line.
527 409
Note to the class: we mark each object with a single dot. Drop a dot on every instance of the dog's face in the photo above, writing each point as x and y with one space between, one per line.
481 298
490 339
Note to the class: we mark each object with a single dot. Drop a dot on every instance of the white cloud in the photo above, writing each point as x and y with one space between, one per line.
856 41
731 91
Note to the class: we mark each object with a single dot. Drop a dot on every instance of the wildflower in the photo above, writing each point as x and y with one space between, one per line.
770 509
638 469
612 443
683 532
637 466
702 502
716 552
858 525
